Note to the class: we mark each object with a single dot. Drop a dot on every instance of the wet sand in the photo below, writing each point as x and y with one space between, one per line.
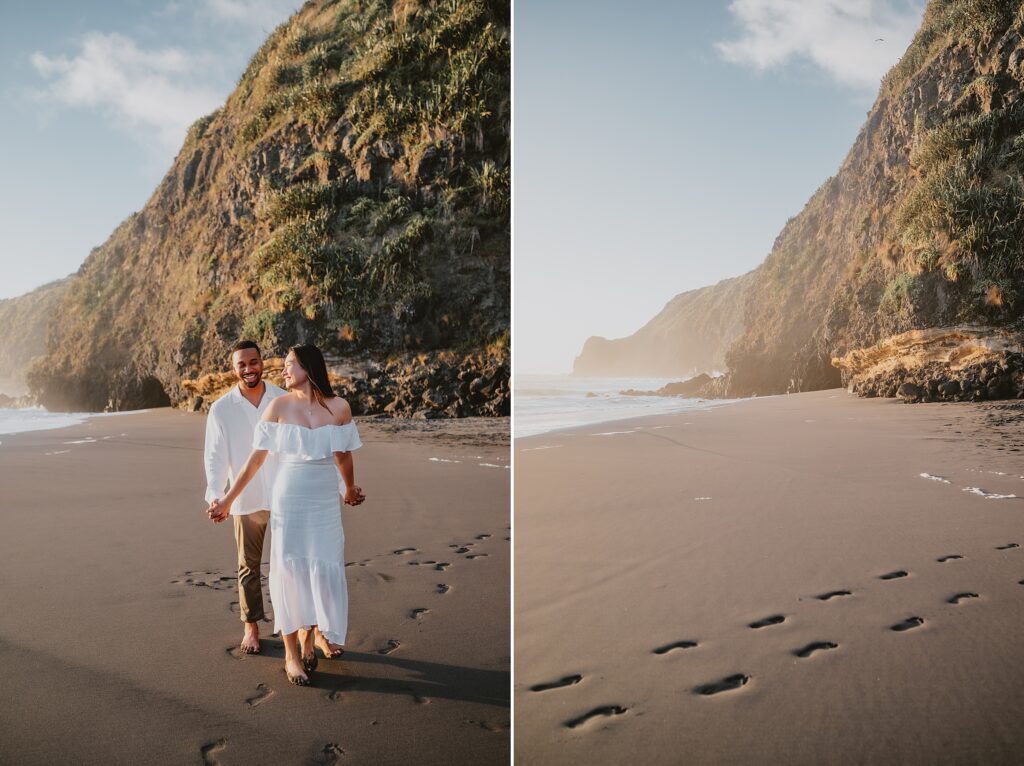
118 608
773 581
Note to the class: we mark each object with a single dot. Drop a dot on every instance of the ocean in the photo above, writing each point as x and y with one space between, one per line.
542 403
16 421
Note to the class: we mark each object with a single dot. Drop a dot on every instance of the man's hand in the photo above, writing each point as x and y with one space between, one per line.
218 511
354 495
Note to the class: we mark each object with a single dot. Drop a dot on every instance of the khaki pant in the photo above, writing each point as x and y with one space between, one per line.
250 530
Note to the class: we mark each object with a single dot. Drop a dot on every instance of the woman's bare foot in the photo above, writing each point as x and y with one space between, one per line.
251 639
309 660
331 651
295 672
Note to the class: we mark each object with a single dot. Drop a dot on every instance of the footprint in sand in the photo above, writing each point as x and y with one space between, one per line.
674 645
442 565
816 646
488 725
598 712
775 619
418 613
477 556
262 695
442 588
893 575
833 594
393 644
209 752
418 698
950 557
483 537
1007 547
403 551
462 549
330 754
345 686
728 683
561 683
908 624
961 597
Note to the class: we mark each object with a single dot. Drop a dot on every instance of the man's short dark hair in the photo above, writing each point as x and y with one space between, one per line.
246 344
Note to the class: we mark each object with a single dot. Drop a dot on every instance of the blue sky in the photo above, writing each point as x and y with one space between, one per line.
661 147
97 99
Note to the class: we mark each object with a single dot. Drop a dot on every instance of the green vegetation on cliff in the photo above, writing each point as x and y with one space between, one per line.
353 191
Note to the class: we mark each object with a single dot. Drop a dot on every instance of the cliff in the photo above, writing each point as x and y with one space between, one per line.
23 326
353 191
922 227
689 335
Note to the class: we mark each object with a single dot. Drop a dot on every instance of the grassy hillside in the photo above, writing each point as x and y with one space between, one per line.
353 191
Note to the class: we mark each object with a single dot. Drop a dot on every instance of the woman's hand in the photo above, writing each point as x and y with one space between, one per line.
218 511
354 495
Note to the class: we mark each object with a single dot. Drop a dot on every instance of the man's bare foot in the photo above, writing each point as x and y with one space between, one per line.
293 669
331 651
251 639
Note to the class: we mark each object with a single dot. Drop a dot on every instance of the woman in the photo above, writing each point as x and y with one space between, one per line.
311 430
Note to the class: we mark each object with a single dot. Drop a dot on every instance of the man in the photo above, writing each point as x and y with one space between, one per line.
229 431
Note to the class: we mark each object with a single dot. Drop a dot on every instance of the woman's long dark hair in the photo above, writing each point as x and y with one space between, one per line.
312 361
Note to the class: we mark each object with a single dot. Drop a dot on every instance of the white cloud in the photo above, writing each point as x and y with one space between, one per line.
149 92
839 36
266 14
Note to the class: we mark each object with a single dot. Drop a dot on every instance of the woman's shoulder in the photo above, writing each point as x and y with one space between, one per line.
340 409
277 405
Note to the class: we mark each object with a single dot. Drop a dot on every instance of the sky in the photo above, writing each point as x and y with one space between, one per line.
661 147
98 96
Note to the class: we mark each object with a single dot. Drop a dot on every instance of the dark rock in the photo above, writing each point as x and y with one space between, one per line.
909 392
436 399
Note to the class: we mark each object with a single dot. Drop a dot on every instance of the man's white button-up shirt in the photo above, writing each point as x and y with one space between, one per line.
229 430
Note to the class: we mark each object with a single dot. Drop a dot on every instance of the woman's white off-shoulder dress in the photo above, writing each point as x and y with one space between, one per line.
307 558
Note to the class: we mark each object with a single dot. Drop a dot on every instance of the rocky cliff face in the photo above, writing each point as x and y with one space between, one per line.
922 227
689 335
23 326
353 192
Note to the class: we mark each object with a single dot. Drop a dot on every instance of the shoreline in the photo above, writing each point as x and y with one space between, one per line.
49 421
703 404
557 406
743 584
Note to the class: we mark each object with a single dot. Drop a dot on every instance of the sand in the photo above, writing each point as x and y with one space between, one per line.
773 582
118 605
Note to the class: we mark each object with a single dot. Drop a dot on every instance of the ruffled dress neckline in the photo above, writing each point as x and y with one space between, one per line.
306 443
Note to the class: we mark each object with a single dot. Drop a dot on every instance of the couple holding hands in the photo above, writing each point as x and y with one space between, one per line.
302 437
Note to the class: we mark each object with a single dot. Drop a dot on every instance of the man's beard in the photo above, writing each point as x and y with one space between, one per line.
253 384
